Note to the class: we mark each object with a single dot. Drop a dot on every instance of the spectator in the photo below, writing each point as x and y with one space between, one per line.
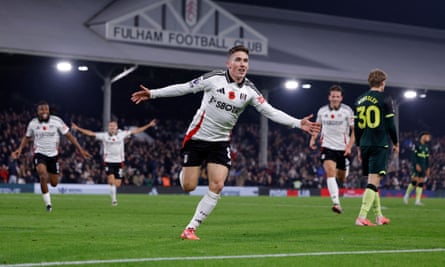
4 173
13 170
167 138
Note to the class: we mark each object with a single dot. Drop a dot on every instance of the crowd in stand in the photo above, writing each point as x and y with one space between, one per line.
154 159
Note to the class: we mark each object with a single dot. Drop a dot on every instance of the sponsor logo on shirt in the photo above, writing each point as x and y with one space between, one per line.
44 134
223 106
329 122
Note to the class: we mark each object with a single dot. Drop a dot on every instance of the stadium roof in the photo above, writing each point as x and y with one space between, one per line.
306 45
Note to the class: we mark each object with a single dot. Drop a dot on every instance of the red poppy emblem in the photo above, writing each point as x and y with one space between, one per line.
44 128
261 99
332 116
231 95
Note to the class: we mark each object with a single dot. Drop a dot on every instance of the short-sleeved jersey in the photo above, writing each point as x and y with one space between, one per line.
113 145
46 135
374 120
421 155
336 126
222 103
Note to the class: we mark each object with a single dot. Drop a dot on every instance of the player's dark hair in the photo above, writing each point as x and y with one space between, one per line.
423 133
238 48
42 103
336 88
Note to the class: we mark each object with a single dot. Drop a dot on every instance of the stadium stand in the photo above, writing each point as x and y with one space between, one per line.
291 163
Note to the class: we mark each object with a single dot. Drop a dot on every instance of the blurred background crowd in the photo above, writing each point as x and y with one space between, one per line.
153 157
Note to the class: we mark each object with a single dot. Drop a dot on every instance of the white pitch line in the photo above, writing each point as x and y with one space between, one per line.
225 257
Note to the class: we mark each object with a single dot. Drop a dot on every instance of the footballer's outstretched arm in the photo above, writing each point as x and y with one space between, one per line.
82 130
145 127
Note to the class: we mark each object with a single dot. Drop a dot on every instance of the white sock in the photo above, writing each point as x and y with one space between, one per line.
46 198
333 190
204 208
113 193
181 178
347 163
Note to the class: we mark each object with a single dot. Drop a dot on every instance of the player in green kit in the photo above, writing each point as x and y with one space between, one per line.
421 169
373 122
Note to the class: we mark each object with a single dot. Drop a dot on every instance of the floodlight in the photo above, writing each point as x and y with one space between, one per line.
291 84
82 68
410 94
306 86
64 66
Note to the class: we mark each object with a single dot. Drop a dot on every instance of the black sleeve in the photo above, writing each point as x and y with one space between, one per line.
389 117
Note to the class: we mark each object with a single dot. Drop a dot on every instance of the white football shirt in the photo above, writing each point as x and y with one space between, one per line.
222 103
113 145
46 135
336 125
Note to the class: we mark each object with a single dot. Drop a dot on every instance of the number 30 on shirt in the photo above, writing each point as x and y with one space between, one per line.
368 116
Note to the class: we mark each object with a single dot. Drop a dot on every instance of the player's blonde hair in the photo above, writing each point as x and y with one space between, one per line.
376 77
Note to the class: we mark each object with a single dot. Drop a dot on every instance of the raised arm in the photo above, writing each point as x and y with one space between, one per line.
179 89
145 127
82 130
281 117
141 95
311 127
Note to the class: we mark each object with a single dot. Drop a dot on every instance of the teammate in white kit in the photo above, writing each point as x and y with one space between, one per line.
46 130
114 151
226 95
337 139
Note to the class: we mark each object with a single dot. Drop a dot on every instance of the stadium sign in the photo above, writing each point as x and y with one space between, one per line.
191 24
82 189
16 188
238 191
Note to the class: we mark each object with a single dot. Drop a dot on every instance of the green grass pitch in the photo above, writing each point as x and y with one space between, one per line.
85 230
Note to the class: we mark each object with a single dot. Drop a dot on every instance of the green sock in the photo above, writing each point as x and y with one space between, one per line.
367 202
377 207
419 191
409 190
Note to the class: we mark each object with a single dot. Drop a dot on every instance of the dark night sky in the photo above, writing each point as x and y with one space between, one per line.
428 13
29 79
